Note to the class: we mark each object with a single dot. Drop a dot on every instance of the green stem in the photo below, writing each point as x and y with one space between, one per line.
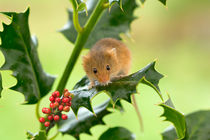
83 34
94 17
75 16
37 110
80 42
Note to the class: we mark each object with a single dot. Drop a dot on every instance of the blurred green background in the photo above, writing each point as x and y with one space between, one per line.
177 35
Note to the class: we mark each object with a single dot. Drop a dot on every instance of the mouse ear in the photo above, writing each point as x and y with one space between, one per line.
113 52
85 57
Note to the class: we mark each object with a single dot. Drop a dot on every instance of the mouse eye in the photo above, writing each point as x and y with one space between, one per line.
94 70
107 67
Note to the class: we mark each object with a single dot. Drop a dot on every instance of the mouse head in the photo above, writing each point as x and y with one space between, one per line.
101 65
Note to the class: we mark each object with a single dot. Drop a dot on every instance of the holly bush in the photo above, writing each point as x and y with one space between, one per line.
87 23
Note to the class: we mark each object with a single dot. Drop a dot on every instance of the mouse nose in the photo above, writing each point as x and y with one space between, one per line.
103 79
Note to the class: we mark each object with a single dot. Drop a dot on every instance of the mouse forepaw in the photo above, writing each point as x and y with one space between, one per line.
92 84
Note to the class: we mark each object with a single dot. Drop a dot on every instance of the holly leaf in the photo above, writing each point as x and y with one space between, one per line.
85 120
118 89
197 126
20 51
111 24
117 133
162 1
112 2
1 88
174 117
41 135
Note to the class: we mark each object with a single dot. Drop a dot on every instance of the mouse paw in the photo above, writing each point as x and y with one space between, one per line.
108 83
92 84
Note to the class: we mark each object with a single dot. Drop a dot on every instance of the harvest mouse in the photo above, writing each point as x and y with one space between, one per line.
108 59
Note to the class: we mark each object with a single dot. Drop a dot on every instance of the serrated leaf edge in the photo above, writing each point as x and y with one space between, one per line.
143 79
164 105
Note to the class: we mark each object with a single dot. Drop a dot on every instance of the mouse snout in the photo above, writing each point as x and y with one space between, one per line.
104 79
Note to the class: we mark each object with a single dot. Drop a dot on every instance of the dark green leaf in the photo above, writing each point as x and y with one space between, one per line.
112 2
111 23
0 84
174 117
163 2
197 126
20 51
37 136
85 121
118 89
117 133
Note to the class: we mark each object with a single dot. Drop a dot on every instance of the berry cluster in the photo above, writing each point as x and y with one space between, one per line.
57 105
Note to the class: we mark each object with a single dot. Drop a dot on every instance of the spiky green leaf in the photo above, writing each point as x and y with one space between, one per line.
75 126
117 133
112 2
197 126
118 89
20 52
82 98
175 117
111 24
162 1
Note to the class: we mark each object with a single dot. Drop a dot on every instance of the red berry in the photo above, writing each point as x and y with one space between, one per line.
47 124
58 99
68 104
47 111
65 90
65 100
52 99
44 109
56 104
66 94
54 94
42 120
56 117
64 116
60 107
52 105
66 109
70 98
57 93
50 117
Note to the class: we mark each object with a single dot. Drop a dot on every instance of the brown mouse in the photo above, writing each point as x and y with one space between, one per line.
108 59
